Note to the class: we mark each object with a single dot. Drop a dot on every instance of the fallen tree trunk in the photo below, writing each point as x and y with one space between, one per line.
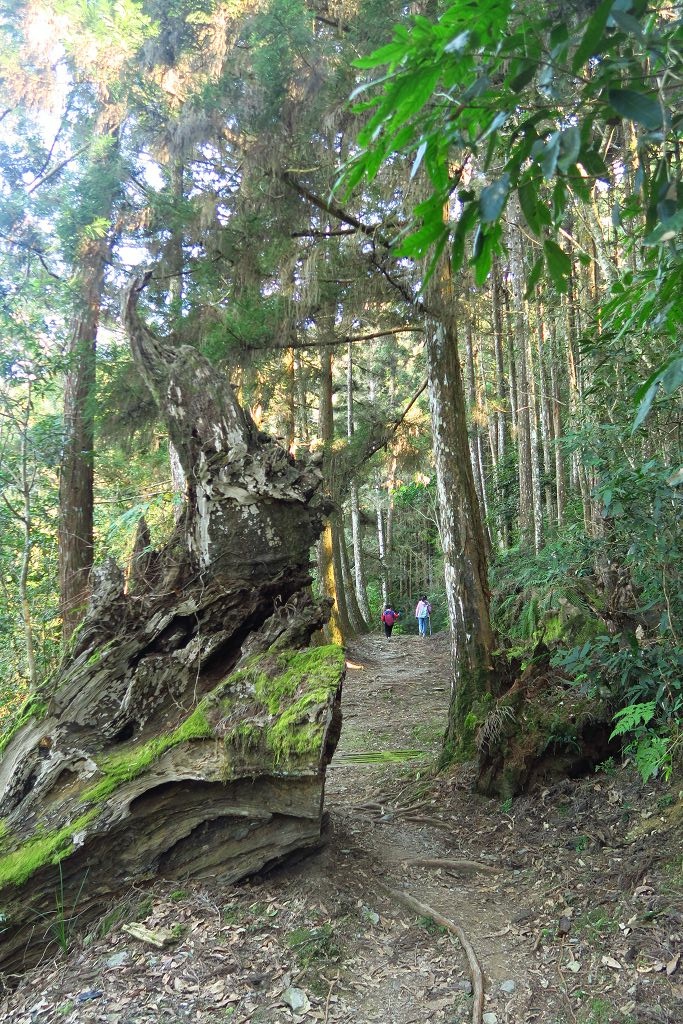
189 731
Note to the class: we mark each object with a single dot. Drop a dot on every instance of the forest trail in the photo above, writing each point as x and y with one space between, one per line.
575 912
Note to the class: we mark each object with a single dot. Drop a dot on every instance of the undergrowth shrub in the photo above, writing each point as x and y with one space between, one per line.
644 680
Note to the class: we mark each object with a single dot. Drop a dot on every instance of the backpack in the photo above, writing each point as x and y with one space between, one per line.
389 617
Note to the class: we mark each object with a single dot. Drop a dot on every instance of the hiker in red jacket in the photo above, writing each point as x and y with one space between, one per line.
389 617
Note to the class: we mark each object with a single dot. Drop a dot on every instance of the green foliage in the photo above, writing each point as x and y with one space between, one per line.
529 101
62 922
281 37
470 83
647 681
544 598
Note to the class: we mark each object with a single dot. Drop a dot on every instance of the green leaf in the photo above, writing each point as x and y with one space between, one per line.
672 376
559 264
559 200
669 376
592 37
534 277
637 106
570 147
493 199
389 54
546 154
458 44
485 243
497 122
364 86
665 231
463 227
645 405
633 715
652 753
627 23
523 77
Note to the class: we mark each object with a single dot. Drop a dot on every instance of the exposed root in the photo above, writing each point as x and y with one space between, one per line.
454 928
436 822
412 807
450 865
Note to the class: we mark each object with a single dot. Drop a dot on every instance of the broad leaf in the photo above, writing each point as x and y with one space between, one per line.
493 199
592 36
559 264
638 107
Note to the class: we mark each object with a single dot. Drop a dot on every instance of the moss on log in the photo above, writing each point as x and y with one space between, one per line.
189 730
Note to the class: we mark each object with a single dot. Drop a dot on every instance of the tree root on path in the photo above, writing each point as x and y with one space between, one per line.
449 865
454 928
436 822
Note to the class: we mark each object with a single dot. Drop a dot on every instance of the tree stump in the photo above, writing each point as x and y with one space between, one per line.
188 732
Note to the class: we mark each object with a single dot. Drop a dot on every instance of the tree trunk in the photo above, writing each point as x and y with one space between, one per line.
502 400
358 558
329 561
26 519
462 536
190 731
560 491
546 415
358 623
76 491
76 477
356 534
475 432
526 488
534 449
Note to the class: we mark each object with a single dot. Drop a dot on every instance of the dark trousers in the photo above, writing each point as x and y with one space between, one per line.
388 628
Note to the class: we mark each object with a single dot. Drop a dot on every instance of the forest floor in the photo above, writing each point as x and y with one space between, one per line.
571 897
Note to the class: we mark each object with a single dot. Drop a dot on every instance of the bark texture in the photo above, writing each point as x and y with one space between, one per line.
190 729
462 539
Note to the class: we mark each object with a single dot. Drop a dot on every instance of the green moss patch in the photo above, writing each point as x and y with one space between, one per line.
128 764
32 708
41 849
287 688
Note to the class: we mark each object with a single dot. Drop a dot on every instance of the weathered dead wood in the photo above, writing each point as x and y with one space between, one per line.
454 928
189 731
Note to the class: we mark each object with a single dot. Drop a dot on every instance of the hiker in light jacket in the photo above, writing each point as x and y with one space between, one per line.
423 610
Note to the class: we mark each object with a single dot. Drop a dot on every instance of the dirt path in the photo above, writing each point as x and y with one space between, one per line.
575 913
